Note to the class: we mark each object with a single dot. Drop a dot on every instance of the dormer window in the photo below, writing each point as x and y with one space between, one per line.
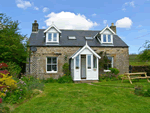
52 37
107 38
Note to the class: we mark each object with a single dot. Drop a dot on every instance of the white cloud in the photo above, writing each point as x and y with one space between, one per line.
94 14
23 4
105 22
130 4
69 20
125 22
125 5
43 27
36 8
123 9
139 26
45 9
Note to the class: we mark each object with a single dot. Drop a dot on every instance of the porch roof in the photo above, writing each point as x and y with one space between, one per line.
81 49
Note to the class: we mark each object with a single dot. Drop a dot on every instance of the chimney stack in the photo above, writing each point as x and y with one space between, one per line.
113 27
35 26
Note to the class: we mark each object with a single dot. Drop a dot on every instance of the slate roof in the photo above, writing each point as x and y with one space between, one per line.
38 39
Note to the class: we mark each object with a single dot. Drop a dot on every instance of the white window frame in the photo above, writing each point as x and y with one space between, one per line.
112 63
52 70
78 62
87 61
111 36
52 37
95 62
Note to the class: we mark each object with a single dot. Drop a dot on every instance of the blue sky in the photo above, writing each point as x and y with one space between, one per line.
132 18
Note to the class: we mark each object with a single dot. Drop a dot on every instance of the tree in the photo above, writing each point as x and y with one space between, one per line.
13 45
145 54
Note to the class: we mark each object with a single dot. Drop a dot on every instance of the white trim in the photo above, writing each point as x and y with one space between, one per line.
51 71
86 46
107 71
108 29
111 37
98 39
95 35
51 27
52 37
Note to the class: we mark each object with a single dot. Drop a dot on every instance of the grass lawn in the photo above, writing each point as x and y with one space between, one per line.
105 97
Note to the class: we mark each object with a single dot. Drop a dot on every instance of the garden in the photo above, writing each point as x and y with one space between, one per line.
21 93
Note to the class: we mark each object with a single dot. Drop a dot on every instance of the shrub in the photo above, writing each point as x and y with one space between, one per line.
114 71
147 93
65 79
120 76
139 90
13 69
66 69
50 80
26 86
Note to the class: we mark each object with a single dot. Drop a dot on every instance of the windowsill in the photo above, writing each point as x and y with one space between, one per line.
107 71
51 71
107 42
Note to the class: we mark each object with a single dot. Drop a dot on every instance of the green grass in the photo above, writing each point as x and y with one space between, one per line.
134 61
105 97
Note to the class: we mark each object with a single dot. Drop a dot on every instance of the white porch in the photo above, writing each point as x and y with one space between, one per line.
84 64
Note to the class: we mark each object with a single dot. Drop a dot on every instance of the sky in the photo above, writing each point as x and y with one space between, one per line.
132 18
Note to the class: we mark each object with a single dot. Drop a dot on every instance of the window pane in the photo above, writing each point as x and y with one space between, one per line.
54 61
77 61
49 68
94 62
109 38
89 61
104 38
110 59
49 60
50 37
54 67
55 37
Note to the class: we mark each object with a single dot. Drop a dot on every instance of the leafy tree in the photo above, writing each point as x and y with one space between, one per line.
145 54
13 45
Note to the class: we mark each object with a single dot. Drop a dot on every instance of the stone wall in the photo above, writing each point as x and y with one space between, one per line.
38 59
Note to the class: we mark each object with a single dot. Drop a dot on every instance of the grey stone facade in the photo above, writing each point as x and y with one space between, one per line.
38 59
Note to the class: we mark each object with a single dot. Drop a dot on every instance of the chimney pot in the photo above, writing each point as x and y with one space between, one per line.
113 27
35 26
112 24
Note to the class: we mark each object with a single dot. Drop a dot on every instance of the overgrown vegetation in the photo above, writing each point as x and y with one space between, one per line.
112 75
13 45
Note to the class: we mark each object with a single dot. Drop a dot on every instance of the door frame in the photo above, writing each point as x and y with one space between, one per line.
85 66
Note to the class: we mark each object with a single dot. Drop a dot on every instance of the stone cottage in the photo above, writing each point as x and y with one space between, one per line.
52 47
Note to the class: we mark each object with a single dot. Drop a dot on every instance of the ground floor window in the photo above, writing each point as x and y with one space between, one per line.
51 64
109 64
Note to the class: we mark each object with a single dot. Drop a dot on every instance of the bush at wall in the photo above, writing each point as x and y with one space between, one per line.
114 71
50 80
65 79
66 69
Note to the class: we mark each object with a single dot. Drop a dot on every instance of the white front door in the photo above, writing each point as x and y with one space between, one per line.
83 66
